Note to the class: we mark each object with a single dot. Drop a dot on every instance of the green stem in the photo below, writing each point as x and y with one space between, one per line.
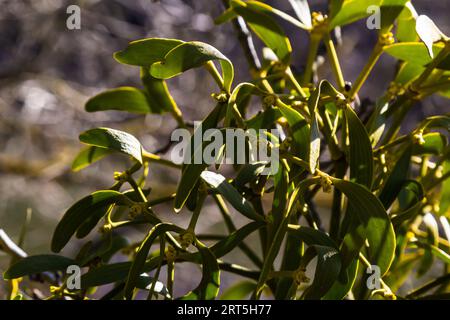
334 61
375 55
216 75
295 83
170 277
314 43
198 208
150 157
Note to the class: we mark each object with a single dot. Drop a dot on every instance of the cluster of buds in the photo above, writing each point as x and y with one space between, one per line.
395 89
106 228
341 101
220 97
319 21
136 209
418 138
325 182
171 253
121 176
269 100
386 39
186 239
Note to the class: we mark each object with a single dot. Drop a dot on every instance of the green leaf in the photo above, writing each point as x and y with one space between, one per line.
266 29
428 32
190 55
436 122
105 274
299 128
264 119
361 157
396 178
239 291
324 88
226 16
405 23
220 184
410 201
210 282
37 264
238 99
114 140
341 287
145 52
314 144
408 72
350 11
265 8
128 99
77 214
91 222
378 227
138 264
99 213
312 236
416 53
444 204
226 245
390 10
110 273
158 95
249 173
191 172
88 156
434 143
327 271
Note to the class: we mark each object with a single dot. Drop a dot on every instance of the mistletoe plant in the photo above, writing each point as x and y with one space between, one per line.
388 189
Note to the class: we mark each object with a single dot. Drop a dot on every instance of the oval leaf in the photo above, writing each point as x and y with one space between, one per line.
37 264
114 140
128 99
220 184
145 52
191 55
378 227
76 215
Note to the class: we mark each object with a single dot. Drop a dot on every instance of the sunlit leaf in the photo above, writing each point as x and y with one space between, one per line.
190 55
266 29
114 140
220 184
428 32
145 52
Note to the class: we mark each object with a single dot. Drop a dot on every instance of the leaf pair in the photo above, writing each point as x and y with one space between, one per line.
167 58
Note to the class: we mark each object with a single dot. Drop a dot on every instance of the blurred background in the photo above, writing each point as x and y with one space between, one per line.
47 73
